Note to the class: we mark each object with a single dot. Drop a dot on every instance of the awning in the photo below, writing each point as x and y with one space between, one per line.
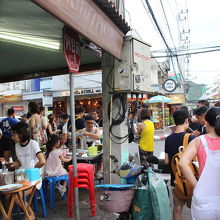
23 21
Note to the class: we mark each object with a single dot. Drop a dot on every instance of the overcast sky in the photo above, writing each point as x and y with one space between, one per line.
203 20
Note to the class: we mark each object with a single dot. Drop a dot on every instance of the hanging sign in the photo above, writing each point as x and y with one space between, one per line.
71 49
47 98
169 85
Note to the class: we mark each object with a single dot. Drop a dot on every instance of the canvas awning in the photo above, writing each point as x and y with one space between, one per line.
24 20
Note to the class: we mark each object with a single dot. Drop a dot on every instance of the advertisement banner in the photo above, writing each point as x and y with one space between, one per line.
71 49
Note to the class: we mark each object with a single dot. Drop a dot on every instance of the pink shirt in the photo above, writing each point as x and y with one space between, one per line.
213 144
53 166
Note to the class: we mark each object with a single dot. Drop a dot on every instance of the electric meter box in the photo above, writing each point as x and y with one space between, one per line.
133 72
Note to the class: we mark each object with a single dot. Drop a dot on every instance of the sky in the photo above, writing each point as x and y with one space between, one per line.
203 22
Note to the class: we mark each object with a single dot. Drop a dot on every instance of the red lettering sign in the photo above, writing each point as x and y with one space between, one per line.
71 49
18 108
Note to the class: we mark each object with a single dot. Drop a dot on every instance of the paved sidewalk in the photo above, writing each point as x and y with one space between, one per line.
61 210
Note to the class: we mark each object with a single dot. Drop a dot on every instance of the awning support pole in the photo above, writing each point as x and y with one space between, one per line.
74 159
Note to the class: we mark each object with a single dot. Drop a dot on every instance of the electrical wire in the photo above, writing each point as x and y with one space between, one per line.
120 105
167 23
185 54
198 48
161 34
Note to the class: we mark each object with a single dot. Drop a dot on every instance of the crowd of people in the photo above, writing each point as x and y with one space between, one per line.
203 125
204 144
24 140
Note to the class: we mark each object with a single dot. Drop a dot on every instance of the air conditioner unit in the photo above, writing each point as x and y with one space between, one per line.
133 72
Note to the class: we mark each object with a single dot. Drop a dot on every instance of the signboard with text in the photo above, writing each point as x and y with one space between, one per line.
71 49
47 98
170 85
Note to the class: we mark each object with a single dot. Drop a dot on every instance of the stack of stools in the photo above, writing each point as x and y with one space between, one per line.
85 180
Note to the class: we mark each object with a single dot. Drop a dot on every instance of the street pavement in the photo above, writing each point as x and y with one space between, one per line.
60 210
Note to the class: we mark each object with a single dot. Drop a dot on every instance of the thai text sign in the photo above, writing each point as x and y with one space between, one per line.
71 49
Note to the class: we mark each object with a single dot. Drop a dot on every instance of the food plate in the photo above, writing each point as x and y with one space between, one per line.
10 187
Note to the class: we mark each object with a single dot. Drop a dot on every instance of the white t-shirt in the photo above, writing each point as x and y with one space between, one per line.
87 140
64 128
27 155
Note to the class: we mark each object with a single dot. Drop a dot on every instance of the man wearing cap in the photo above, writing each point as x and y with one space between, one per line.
8 122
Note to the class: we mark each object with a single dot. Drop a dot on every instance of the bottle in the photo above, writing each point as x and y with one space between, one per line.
11 164
3 166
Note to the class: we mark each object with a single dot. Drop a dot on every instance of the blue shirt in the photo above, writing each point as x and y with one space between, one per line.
6 125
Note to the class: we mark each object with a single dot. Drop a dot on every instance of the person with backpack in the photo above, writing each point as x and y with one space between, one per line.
206 194
172 144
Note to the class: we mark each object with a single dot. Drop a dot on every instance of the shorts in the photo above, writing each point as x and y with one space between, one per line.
143 156
181 202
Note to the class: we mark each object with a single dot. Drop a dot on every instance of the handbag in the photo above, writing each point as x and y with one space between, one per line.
142 207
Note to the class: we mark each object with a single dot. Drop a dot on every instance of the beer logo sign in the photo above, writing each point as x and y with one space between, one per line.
170 85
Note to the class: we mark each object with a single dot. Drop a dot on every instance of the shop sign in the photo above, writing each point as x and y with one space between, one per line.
46 83
71 49
177 98
88 19
169 85
47 98
87 91
18 108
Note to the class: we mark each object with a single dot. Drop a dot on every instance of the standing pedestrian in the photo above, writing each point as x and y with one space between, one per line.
43 125
8 122
79 118
35 122
206 193
200 115
172 144
146 131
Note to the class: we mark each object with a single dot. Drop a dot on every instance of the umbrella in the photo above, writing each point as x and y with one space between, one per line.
160 99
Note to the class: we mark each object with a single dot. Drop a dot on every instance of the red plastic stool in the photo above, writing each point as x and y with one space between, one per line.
85 180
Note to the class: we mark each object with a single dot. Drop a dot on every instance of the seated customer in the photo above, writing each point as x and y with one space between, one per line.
90 135
28 155
6 146
55 157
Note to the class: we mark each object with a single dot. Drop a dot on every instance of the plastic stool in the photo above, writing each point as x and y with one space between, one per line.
52 181
85 180
40 191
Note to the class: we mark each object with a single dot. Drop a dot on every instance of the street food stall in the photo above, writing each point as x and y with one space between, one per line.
160 110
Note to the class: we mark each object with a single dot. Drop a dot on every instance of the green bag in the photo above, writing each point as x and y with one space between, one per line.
142 207
159 196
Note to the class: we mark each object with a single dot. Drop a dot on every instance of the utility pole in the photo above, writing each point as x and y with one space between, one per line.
184 40
110 144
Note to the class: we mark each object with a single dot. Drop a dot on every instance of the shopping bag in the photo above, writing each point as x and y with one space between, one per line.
142 207
159 196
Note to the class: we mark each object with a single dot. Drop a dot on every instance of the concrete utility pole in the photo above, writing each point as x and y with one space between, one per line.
112 146
110 110
184 35
107 63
